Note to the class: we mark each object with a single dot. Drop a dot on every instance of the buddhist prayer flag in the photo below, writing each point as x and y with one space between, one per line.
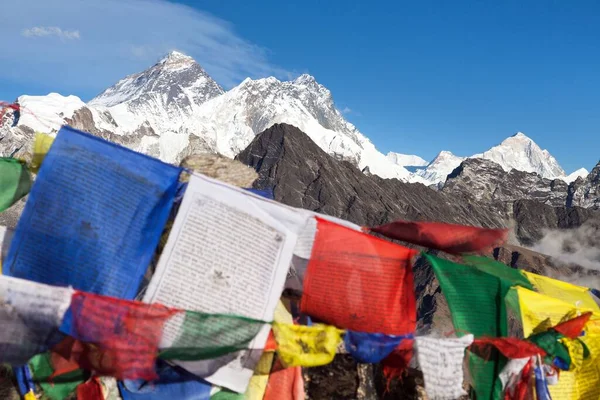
540 313
90 390
55 387
476 301
510 347
120 337
93 217
371 347
498 269
441 361
307 346
228 253
172 383
41 146
15 181
260 378
30 315
285 383
205 336
572 328
577 296
359 282
451 238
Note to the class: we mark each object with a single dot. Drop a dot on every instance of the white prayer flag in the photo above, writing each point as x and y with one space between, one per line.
30 313
441 361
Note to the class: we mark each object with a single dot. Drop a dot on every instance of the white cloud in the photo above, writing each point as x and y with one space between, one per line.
346 110
40 31
121 37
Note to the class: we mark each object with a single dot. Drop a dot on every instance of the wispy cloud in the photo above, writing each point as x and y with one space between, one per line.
40 31
117 38
346 110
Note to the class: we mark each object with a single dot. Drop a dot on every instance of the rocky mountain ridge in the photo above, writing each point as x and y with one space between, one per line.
485 180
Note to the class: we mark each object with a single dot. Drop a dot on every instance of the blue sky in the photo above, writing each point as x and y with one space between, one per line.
417 77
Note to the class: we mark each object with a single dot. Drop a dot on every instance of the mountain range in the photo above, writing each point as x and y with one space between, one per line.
304 150
174 109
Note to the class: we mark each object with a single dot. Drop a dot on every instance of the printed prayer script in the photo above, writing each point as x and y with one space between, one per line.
227 253
441 361
93 217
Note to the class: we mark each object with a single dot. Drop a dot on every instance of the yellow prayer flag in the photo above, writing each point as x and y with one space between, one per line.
41 145
282 315
540 312
307 346
576 295
29 396
258 382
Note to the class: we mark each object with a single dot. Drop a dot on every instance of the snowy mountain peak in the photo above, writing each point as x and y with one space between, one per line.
176 56
580 173
160 98
521 153
406 160
438 169
305 79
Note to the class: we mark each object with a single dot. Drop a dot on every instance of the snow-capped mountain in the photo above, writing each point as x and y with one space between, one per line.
174 108
438 169
580 173
523 154
517 152
406 160
229 122
161 97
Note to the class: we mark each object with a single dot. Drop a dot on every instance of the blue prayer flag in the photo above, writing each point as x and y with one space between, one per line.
371 347
94 216
172 383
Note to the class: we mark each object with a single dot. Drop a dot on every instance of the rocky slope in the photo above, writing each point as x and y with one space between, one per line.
485 180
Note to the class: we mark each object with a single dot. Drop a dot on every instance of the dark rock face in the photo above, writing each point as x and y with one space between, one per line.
485 180
586 192
302 175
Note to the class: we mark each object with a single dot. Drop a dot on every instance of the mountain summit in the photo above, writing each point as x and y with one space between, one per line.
163 96
521 153
517 152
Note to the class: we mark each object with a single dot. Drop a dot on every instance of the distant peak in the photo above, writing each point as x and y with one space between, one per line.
521 135
177 57
305 79
444 154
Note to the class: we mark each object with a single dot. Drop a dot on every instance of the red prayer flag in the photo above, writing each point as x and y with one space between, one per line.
451 238
395 364
285 384
573 327
120 337
359 282
90 390
59 357
510 347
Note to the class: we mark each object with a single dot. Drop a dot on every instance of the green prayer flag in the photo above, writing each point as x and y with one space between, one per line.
15 181
498 269
225 394
549 341
205 336
476 302
58 387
